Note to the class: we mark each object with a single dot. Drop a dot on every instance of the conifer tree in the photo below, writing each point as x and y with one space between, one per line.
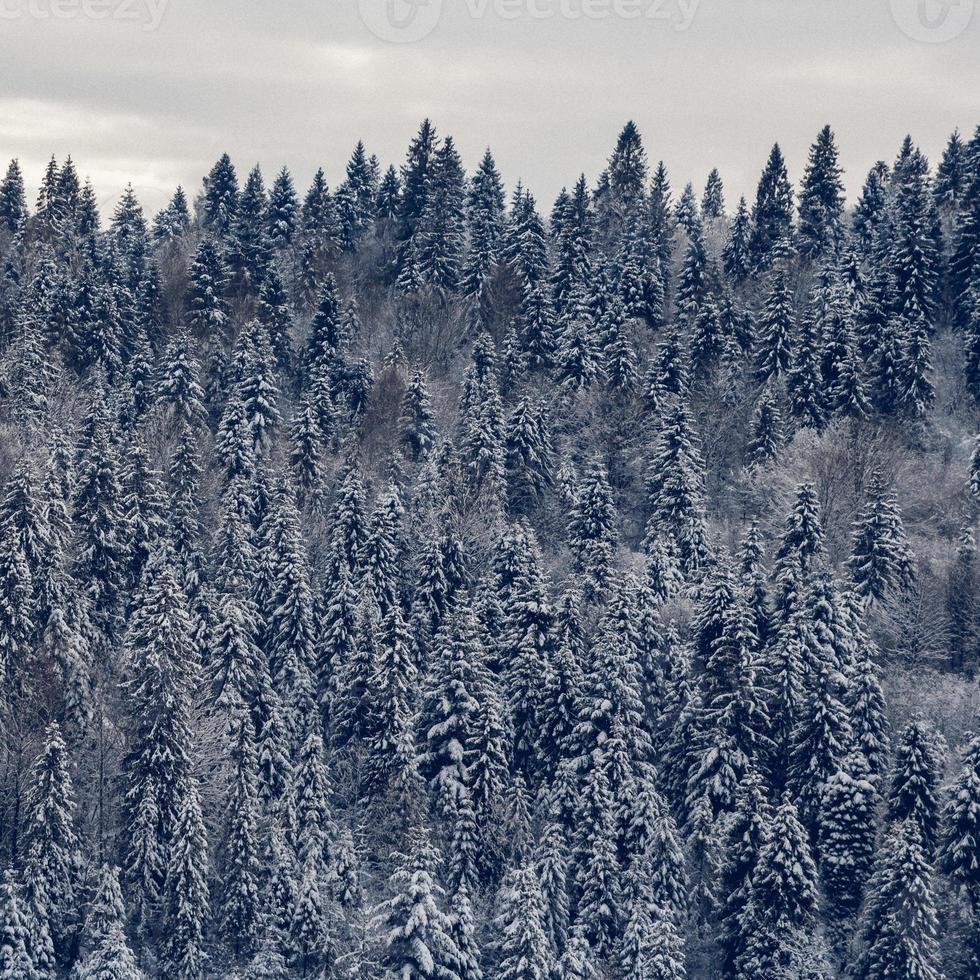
417 933
774 351
592 530
713 201
736 255
916 773
13 203
485 214
772 215
782 903
882 562
846 843
767 432
821 197
240 909
416 425
282 211
900 927
188 904
221 197
108 955
959 855
676 482
524 952
162 657
16 959
53 851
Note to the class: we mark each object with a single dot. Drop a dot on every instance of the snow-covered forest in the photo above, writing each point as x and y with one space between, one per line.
412 580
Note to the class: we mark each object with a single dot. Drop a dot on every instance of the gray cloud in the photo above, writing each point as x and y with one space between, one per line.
299 82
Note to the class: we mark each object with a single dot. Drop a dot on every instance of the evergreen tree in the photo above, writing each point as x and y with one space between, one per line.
108 955
882 561
959 855
772 215
240 910
676 482
900 928
221 197
592 528
782 902
713 201
736 255
53 851
916 773
774 351
767 435
417 933
846 842
188 903
524 952
821 197
485 214
16 959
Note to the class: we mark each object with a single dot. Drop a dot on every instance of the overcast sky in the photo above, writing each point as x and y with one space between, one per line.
155 90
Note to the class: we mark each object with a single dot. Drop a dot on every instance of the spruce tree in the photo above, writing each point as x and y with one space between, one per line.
959 853
846 844
782 903
416 931
524 952
772 214
16 959
900 928
53 851
108 955
882 562
916 773
821 197
774 348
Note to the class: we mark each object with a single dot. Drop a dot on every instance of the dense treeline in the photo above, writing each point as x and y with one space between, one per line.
395 582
